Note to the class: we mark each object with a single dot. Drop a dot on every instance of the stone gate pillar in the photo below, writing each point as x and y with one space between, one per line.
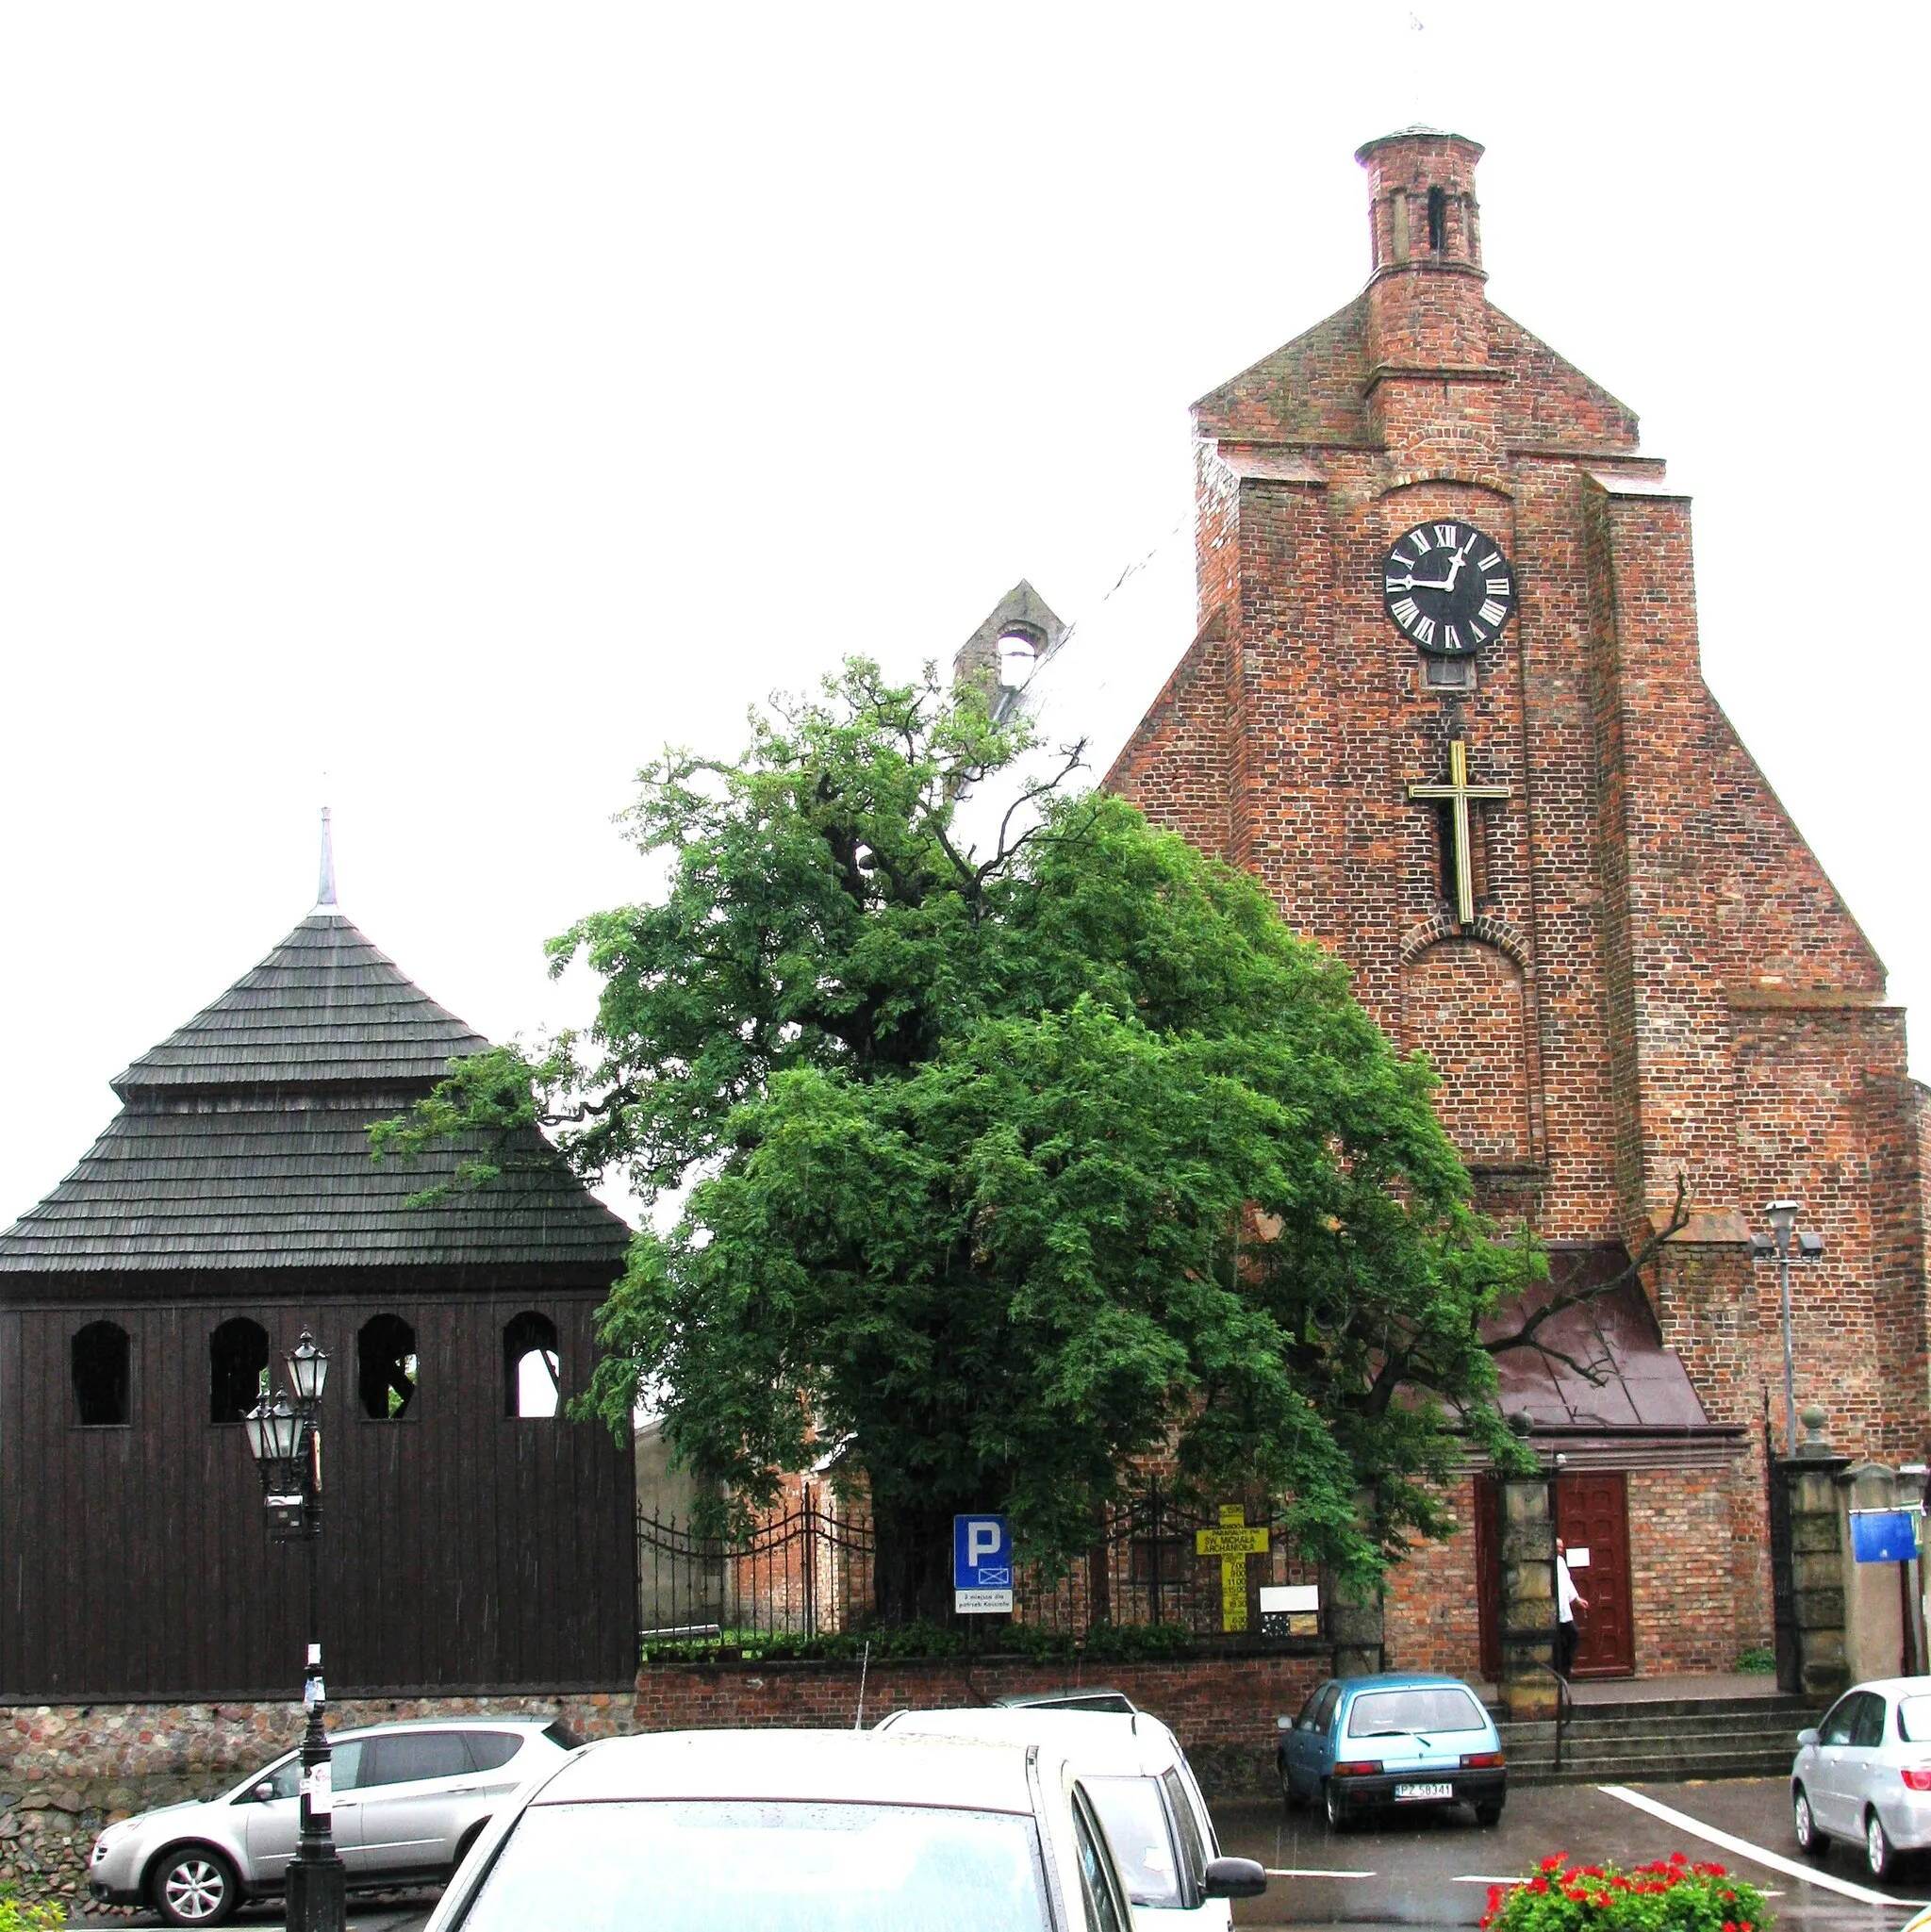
1529 1599
1816 1560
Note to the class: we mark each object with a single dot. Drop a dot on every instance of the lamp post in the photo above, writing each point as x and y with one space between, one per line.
285 1439
1782 1245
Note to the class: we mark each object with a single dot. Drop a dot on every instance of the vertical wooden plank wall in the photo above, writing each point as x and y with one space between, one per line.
463 1547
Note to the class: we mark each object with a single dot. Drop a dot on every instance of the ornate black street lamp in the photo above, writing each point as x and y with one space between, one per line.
285 1439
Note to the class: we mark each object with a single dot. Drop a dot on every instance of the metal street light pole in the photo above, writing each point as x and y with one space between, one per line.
286 1441
1785 1243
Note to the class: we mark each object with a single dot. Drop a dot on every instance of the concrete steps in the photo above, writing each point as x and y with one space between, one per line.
1638 1740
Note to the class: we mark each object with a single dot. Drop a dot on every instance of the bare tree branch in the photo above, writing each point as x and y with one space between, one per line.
1526 1336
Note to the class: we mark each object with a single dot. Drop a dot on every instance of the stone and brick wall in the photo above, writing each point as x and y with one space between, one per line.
85 1764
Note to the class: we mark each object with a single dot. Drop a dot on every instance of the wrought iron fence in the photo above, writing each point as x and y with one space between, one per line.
1145 1568
807 1570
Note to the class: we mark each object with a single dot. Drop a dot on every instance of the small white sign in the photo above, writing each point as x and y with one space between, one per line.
973 1603
1579 1558
1282 1599
319 1784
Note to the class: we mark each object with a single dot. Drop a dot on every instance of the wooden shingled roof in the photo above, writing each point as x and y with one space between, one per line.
242 1142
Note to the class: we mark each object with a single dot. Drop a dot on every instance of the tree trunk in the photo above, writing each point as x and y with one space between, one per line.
912 1562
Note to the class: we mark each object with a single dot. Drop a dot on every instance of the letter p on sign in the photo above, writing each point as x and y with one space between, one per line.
982 1541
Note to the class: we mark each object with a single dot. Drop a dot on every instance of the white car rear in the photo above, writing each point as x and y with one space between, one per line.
1864 1774
795 1831
1147 1797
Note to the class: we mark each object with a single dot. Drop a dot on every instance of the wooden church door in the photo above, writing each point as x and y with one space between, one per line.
1593 1513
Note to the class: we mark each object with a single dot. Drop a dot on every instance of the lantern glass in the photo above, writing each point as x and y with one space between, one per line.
1783 1217
308 1369
282 1430
255 1425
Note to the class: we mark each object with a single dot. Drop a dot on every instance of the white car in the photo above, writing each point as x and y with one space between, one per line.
795 1831
1144 1792
410 1800
1864 1774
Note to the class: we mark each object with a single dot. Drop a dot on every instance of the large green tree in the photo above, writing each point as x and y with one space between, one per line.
1003 1165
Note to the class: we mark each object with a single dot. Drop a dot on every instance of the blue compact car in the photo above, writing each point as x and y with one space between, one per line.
1361 1744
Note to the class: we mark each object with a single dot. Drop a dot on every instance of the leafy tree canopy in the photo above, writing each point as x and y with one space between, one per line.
1004 1166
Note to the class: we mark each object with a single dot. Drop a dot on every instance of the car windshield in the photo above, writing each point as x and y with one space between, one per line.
1428 1707
1135 1821
682 1866
1914 1720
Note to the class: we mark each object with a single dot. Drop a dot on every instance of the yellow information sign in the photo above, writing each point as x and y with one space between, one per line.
1233 1542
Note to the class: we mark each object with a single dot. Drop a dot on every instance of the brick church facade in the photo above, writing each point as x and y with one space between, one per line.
1627 970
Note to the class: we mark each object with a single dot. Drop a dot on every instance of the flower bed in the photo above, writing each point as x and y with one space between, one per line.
1671 1895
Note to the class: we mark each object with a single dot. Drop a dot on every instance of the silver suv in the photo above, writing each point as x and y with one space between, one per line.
409 1801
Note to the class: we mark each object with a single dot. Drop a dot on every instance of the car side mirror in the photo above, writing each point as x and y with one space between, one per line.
1284 1723
1234 1878
1805 1738
263 1793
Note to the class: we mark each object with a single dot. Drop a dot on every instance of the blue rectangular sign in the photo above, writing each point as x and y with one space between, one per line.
981 1563
1884 1536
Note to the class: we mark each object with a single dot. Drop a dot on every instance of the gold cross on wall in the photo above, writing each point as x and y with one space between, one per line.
1459 792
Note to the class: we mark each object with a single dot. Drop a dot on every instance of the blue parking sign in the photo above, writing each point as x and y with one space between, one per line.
981 1564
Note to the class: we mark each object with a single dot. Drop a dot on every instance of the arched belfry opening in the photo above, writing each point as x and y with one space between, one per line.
103 1380
1020 634
532 1366
238 1353
386 1367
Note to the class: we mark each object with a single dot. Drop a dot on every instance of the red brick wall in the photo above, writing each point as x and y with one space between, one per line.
1682 1584
1462 1004
1433 1620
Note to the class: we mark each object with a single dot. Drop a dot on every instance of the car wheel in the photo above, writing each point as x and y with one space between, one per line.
1804 1821
1489 1815
1878 1855
195 1886
1335 1811
1289 1795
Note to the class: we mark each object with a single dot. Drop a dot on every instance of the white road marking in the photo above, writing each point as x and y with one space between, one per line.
1299 1871
1756 1854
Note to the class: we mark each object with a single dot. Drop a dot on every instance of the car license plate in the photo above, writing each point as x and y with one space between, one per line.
1423 1790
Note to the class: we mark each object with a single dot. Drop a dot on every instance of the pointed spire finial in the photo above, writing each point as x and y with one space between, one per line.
325 890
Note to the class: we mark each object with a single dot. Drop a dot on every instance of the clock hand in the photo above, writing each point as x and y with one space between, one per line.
1455 565
1420 583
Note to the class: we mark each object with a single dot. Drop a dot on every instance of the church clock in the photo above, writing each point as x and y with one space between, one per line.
1448 588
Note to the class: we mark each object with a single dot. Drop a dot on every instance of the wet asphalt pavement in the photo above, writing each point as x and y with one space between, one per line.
1434 1868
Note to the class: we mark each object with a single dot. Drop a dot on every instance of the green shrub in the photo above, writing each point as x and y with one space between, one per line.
1670 1895
15 1917
1104 1643
1759 1659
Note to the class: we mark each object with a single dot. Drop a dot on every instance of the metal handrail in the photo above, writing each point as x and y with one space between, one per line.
1565 1705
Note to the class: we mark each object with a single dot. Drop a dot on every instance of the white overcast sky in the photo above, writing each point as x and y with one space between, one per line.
462 402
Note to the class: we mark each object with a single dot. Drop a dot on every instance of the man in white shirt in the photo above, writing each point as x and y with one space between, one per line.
1568 1601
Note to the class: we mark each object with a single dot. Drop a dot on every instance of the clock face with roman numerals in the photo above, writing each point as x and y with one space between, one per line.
1448 588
